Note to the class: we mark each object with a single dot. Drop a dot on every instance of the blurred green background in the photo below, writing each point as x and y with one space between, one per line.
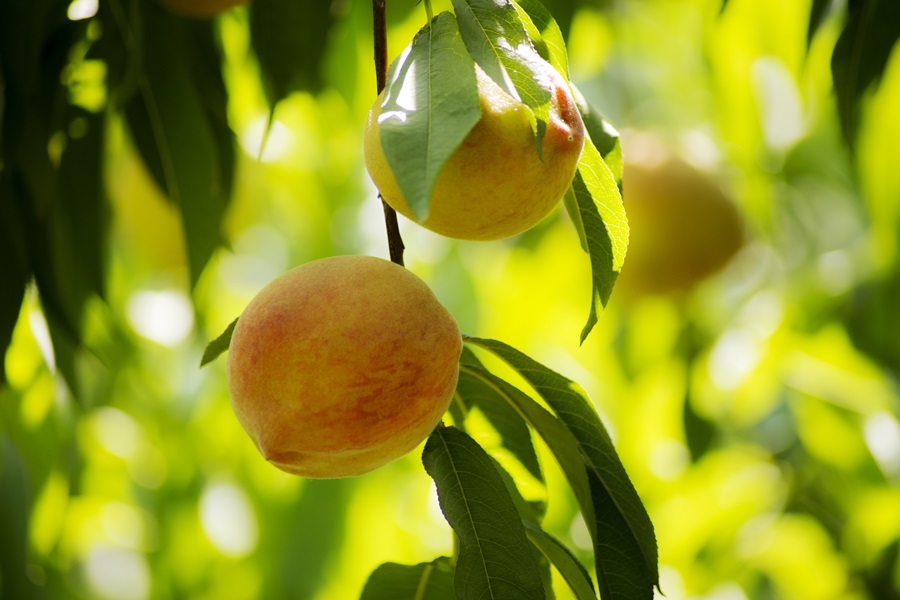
756 411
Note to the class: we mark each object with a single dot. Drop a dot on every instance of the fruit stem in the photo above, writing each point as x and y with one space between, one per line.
379 22
428 10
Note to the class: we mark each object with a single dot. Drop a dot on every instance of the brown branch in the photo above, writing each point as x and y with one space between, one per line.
379 22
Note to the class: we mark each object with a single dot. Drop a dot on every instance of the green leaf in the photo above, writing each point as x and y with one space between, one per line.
861 55
290 38
14 271
818 12
497 40
495 559
515 436
602 134
430 105
218 345
545 34
565 562
178 122
14 515
605 226
624 512
424 581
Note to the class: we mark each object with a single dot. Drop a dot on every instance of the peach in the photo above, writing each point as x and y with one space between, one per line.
342 365
495 185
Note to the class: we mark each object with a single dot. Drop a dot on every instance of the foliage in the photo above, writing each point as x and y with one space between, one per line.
156 171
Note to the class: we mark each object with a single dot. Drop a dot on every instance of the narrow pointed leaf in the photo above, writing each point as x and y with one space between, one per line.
625 512
495 559
218 345
602 216
513 432
424 581
602 133
547 38
430 105
576 576
861 55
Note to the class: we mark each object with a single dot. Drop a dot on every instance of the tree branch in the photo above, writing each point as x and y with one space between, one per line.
379 21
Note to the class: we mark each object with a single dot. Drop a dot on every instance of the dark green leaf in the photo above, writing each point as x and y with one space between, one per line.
424 581
430 105
498 42
14 509
624 512
14 270
495 559
177 120
565 562
547 38
817 14
289 38
218 345
861 54
513 432
605 227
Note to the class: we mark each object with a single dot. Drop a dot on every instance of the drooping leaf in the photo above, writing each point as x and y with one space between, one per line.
424 581
218 345
624 512
430 105
547 38
177 121
604 224
290 38
861 55
602 133
514 434
495 559
576 576
497 40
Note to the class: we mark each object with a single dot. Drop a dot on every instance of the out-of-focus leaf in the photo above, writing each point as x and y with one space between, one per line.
177 121
14 272
496 39
605 227
430 105
861 54
495 559
392 581
602 133
817 14
14 512
547 38
218 345
289 38
565 562
514 434
623 512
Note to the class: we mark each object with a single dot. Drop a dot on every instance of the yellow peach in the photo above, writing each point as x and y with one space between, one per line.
342 365
495 185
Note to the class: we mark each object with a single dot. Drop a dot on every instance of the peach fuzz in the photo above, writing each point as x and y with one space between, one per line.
342 365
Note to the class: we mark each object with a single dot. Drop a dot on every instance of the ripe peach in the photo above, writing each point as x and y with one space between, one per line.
494 185
342 365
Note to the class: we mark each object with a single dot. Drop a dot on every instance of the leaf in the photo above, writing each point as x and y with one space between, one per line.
14 515
602 134
430 105
818 12
14 271
424 581
514 434
495 559
573 572
860 56
547 38
605 226
218 345
177 120
624 512
496 39
289 38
